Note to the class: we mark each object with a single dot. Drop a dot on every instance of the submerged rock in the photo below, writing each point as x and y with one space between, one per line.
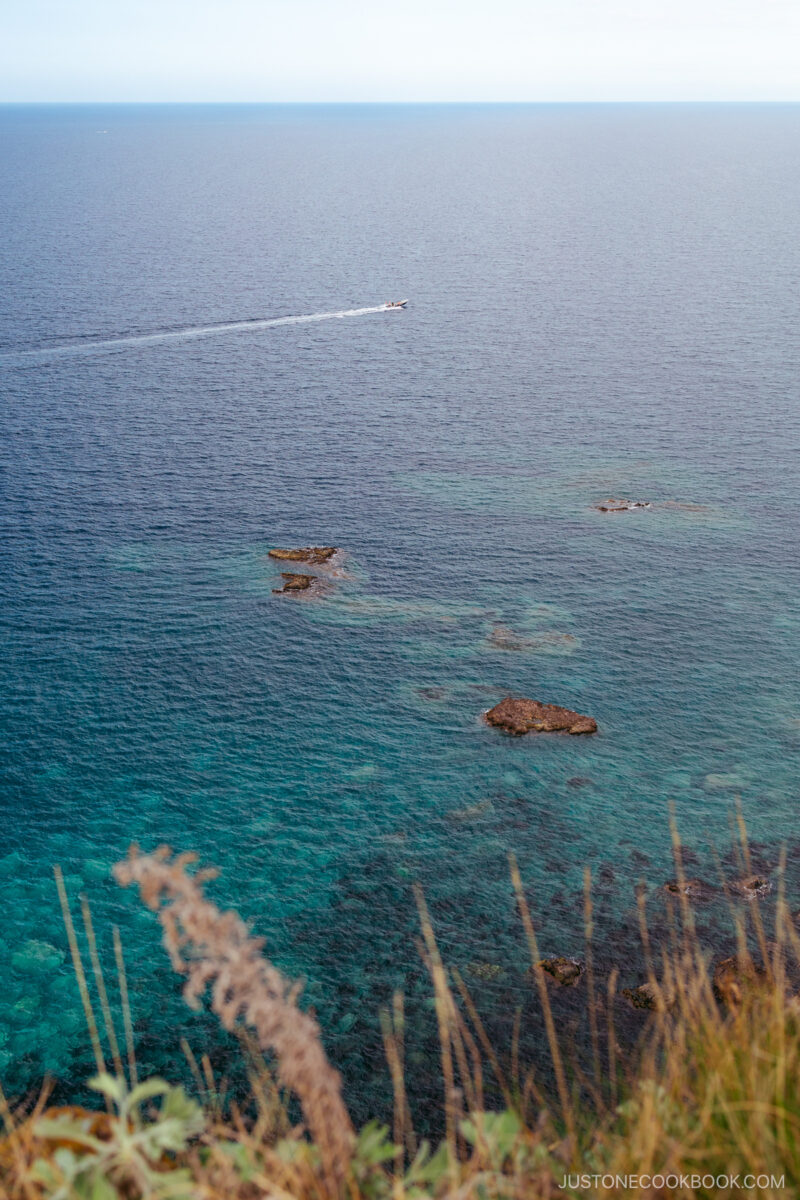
306 554
432 693
473 813
367 770
728 781
397 838
549 641
295 583
683 506
526 716
485 971
565 971
37 956
503 638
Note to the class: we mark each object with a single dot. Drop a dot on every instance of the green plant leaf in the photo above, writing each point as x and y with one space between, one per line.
109 1086
245 1167
496 1133
102 1189
147 1090
66 1129
44 1172
427 1169
374 1145
179 1107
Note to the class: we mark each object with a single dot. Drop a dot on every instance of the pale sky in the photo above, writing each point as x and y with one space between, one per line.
402 50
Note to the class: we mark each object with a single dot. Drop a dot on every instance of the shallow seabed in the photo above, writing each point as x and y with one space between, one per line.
603 304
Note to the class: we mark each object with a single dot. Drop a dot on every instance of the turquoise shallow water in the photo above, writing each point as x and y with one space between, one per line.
603 303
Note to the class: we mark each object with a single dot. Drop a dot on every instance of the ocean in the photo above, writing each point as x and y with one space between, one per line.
603 304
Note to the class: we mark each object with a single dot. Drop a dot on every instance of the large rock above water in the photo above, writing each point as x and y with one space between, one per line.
526 716
649 996
306 554
566 971
622 505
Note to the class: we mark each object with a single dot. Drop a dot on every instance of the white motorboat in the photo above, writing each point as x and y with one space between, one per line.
395 304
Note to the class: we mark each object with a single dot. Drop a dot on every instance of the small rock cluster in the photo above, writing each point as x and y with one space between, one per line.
516 716
313 555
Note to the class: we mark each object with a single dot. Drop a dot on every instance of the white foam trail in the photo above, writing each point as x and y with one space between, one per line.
176 335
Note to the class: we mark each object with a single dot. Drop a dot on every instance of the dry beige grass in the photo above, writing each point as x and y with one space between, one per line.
214 949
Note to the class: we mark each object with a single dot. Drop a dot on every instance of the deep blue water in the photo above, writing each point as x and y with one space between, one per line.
603 302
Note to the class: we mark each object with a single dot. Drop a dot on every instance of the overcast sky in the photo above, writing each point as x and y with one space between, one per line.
288 50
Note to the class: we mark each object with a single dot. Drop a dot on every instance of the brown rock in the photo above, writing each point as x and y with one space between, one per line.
693 889
753 887
295 583
735 977
307 554
523 716
622 505
565 971
649 996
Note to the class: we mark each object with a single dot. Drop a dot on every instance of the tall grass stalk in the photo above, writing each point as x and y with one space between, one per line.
567 1114
214 950
80 974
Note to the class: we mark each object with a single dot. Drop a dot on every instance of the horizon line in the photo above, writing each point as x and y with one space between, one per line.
7 103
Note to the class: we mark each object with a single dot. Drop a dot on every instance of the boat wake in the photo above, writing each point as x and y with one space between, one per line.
252 324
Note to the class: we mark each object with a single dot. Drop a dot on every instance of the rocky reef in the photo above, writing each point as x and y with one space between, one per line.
520 716
503 638
295 583
315 555
548 641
